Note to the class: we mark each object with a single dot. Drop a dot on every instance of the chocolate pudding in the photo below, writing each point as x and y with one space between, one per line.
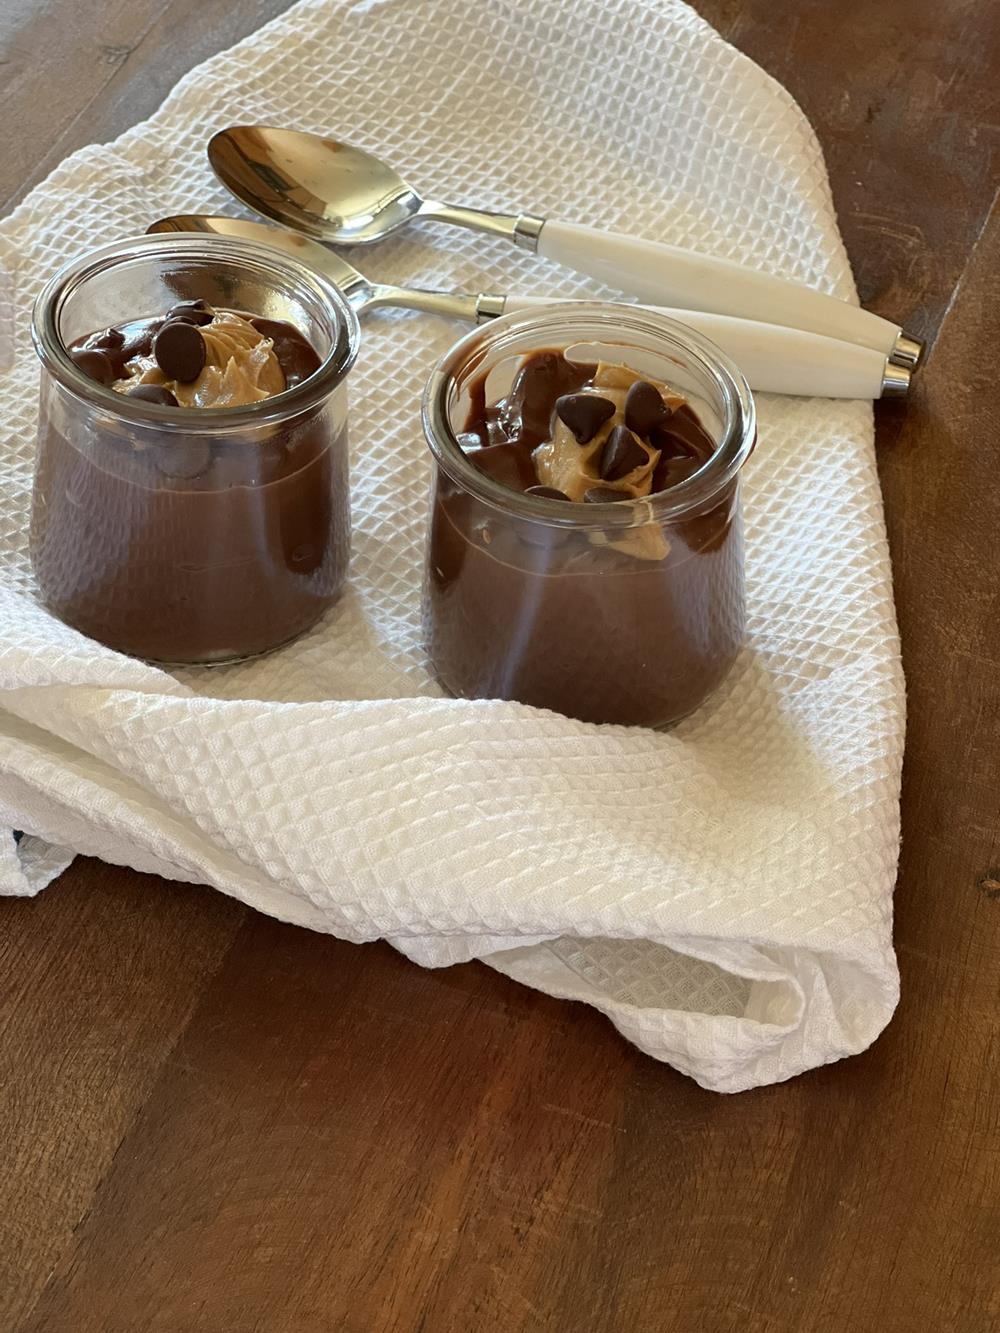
194 544
632 624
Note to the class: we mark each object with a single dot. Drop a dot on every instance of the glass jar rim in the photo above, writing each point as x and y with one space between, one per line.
253 254
738 427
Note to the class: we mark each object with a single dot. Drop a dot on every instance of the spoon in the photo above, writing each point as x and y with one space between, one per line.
774 359
345 196
359 291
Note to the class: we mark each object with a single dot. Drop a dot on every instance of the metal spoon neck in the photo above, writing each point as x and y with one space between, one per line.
896 380
451 305
906 351
521 228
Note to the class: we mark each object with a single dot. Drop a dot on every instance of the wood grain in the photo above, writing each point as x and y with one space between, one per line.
214 1122
904 98
99 983
73 74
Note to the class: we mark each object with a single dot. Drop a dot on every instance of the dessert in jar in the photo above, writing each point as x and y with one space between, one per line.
585 550
191 492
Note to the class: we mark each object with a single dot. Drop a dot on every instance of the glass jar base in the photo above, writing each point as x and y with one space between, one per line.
218 658
658 722
224 658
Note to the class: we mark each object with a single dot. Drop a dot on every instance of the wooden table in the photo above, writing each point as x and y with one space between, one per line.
211 1121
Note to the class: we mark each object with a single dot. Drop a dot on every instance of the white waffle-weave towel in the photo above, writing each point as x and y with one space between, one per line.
721 892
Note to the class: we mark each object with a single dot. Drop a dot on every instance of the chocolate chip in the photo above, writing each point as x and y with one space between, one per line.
153 393
644 408
600 495
622 454
110 339
183 460
584 414
95 365
542 378
140 341
191 312
179 350
547 492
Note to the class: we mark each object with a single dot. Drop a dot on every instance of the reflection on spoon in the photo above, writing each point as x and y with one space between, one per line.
345 196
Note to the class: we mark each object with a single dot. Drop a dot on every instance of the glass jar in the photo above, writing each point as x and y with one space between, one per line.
629 612
190 535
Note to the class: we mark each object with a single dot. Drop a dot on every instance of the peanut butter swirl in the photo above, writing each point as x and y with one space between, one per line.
240 367
562 463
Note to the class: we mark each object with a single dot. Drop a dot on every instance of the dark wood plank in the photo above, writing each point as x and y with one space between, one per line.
73 74
100 976
903 95
342 1141
306 1135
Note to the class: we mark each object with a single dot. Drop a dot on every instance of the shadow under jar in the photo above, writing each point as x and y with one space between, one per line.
628 612
190 534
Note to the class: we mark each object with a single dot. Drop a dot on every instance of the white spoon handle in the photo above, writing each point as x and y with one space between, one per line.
667 275
781 360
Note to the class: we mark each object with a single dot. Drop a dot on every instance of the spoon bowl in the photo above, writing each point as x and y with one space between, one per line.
361 292
353 284
328 190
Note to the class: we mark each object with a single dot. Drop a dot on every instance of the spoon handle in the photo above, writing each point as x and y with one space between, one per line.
667 275
775 359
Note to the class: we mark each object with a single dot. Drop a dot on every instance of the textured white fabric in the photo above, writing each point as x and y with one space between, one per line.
721 892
